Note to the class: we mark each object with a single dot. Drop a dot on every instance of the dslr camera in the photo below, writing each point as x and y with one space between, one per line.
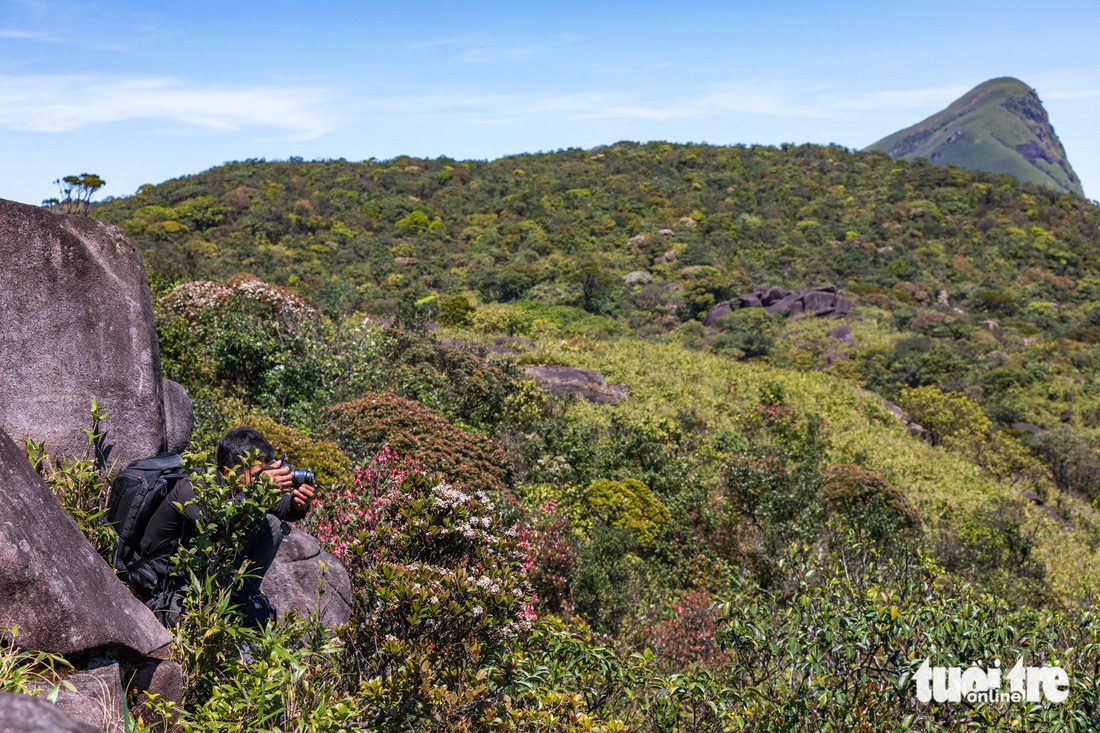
298 475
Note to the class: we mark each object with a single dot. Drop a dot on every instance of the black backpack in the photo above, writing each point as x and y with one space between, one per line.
135 494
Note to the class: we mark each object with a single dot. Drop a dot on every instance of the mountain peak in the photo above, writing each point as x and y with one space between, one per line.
999 126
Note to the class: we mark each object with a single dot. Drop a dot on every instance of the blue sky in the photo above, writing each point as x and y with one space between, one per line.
143 92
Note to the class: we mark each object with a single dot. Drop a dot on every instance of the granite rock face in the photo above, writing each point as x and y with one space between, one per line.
76 322
97 700
53 584
584 383
29 714
301 570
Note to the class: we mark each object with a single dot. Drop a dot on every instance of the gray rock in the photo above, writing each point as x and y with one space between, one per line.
722 309
917 430
156 680
293 581
823 301
97 700
1033 497
896 409
584 383
491 349
179 416
1028 427
76 321
514 341
29 714
842 333
837 357
59 591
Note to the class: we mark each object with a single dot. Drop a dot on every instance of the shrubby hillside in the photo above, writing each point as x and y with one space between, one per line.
752 539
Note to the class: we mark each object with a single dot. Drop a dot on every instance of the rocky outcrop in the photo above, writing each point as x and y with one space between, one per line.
489 349
821 302
28 714
97 698
76 322
842 333
514 342
306 580
584 383
62 594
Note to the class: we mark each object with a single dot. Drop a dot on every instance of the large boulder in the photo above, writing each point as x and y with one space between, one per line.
305 580
722 309
28 714
63 596
76 322
584 383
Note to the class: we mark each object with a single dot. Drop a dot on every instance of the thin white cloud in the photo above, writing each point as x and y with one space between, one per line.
60 103
23 35
787 102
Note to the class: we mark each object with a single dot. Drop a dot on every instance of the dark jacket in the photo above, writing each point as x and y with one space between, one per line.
169 527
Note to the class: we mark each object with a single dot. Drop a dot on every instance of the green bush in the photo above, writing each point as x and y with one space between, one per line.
472 461
628 504
856 497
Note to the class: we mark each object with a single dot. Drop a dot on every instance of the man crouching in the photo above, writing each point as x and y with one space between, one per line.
175 523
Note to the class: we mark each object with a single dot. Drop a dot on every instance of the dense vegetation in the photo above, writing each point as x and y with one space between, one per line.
751 540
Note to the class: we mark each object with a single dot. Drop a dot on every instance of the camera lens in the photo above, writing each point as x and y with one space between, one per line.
301 476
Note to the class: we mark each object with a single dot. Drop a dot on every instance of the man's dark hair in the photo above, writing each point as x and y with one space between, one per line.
239 441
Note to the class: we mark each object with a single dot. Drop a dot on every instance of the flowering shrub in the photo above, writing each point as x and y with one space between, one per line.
555 560
684 631
471 461
440 592
190 298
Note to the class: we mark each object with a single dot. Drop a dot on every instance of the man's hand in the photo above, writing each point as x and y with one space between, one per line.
280 476
303 495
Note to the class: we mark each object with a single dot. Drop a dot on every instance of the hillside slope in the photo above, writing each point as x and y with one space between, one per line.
1000 126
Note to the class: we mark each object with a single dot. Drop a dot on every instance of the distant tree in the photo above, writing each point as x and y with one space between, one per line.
76 193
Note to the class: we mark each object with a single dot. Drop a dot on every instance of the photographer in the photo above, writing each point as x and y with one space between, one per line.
174 524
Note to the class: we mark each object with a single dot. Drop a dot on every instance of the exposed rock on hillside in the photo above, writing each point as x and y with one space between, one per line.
822 302
62 594
584 383
76 322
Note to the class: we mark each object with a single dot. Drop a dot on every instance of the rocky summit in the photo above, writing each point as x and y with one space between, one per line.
1000 126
